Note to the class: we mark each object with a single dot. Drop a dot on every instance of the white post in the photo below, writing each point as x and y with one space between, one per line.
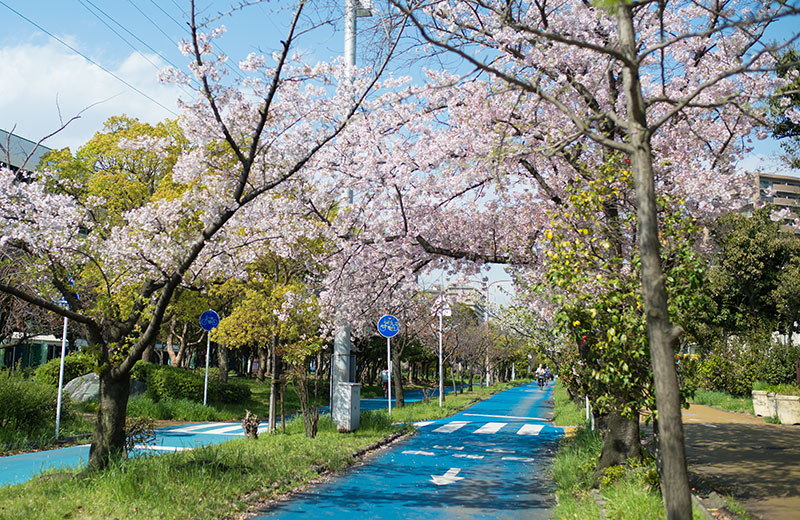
488 374
389 382
61 375
208 354
441 377
587 408
513 376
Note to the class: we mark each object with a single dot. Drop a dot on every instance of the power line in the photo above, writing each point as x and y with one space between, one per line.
79 53
157 67
182 26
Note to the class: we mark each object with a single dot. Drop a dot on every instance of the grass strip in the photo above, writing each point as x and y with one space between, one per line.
724 401
214 481
629 492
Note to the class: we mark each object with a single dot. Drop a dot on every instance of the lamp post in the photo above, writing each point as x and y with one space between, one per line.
441 308
488 286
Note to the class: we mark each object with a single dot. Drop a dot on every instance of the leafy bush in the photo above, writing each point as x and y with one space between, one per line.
142 369
27 405
75 365
165 381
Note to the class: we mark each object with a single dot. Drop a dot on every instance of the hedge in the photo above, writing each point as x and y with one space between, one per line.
75 365
27 405
164 381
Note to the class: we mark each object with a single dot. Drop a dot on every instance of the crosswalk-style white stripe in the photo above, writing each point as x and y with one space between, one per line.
451 427
195 428
236 429
530 429
491 427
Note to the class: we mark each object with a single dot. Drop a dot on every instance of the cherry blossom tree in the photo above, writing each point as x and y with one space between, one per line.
248 140
463 170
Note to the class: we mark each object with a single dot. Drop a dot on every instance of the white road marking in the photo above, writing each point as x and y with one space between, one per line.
499 450
530 429
518 459
710 425
420 424
506 417
235 429
196 427
417 452
490 427
437 447
448 478
467 456
161 448
451 427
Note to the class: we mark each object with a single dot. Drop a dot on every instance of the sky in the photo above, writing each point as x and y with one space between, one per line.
98 58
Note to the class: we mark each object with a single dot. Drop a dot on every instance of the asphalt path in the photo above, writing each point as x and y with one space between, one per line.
16 469
491 461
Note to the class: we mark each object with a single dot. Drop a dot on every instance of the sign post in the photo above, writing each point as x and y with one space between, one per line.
442 308
63 302
389 326
209 320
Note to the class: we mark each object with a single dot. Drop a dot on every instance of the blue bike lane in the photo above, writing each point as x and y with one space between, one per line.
490 461
16 469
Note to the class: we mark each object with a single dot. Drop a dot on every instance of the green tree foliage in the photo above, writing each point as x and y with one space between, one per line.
593 278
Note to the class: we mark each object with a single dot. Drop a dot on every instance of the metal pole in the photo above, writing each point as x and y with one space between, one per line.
61 375
389 383
441 378
350 35
488 375
208 354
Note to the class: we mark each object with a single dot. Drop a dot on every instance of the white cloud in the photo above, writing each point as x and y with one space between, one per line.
39 80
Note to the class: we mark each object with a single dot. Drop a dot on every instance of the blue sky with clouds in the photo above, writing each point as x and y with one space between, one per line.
45 81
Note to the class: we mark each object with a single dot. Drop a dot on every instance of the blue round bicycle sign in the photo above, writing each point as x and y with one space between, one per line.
209 320
388 326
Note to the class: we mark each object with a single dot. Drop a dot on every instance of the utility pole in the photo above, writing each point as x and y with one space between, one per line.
342 377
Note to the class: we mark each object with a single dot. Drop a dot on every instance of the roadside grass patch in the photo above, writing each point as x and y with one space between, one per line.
629 492
565 411
724 401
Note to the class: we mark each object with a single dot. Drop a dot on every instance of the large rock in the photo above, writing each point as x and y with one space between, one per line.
87 387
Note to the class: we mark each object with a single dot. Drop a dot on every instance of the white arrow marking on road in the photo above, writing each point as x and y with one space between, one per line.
417 452
519 459
448 478
499 450
437 447
160 448
467 456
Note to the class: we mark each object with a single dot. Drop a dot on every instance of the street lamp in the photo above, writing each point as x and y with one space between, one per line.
487 286
442 308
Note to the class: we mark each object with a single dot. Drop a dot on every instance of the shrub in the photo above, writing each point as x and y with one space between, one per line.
27 405
164 382
142 369
75 365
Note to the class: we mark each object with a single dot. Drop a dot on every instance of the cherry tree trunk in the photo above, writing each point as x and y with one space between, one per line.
621 441
662 335
108 439
262 363
397 380
222 361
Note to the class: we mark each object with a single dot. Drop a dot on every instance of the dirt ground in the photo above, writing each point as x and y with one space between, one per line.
741 455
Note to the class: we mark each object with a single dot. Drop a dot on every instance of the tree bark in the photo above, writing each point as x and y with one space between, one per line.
397 379
222 361
662 335
108 439
621 441
262 363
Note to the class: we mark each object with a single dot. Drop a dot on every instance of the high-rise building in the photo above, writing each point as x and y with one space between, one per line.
782 191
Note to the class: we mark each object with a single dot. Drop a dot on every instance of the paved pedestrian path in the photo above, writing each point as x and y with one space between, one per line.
757 462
